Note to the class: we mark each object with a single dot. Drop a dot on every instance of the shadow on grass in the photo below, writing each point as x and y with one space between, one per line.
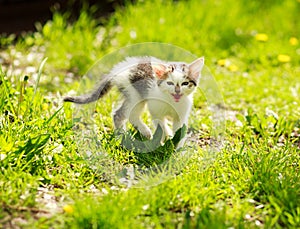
151 152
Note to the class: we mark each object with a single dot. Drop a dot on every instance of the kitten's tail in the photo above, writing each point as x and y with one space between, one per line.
99 92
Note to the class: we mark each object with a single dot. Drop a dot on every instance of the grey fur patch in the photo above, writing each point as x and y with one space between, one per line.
99 92
142 78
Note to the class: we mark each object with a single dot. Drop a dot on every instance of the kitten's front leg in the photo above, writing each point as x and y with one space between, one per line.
177 125
142 128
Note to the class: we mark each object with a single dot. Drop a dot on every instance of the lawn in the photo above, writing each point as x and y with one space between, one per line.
62 166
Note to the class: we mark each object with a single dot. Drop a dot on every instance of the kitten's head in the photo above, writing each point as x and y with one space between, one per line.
178 79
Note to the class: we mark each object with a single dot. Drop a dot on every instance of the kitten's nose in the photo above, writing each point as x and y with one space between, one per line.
177 89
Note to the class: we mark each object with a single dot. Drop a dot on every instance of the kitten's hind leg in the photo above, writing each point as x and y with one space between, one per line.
135 119
119 117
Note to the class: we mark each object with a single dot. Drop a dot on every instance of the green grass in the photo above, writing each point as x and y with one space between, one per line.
254 181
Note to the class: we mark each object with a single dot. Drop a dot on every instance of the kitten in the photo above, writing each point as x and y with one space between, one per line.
165 87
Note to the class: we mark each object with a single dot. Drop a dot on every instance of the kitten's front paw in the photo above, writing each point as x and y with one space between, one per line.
145 131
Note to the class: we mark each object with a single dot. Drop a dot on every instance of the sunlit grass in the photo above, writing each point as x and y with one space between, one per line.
252 50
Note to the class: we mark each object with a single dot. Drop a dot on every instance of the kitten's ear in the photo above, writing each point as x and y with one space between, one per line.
159 70
196 67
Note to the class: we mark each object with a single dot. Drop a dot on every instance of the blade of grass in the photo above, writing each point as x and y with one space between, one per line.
52 116
39 76
37 83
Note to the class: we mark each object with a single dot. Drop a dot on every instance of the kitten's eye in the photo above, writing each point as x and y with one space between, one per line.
170 83
185 83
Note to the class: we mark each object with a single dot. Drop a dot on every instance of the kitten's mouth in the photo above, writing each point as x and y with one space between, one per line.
177 97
